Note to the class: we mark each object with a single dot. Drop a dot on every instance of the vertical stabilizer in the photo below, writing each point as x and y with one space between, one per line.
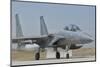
43 27
19 32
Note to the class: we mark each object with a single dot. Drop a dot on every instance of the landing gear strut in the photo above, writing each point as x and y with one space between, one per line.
67 49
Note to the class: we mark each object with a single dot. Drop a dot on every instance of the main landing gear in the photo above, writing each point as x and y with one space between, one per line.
67 55
58 55
37 56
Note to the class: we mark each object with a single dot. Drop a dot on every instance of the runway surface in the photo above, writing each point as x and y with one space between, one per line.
15 63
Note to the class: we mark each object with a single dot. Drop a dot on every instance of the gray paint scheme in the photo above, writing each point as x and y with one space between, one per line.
65 39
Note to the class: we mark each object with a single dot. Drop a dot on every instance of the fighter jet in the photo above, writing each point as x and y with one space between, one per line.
68 38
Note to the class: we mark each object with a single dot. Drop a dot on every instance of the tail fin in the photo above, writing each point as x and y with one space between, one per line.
43 27
19 32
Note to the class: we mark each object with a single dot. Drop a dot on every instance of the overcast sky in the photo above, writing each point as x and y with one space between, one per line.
56 17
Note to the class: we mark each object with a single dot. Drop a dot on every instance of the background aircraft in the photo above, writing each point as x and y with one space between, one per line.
68 38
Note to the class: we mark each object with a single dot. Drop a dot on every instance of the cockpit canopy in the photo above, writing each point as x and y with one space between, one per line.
72 27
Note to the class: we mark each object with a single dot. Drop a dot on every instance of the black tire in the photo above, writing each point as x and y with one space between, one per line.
37 56
67 56
57 55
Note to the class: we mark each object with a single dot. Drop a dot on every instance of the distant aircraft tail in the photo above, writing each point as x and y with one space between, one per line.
43 28
19 32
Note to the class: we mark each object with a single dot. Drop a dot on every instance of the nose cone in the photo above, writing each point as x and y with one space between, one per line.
89 40
86 40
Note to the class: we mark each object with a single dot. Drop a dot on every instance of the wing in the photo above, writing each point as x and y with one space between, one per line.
27 40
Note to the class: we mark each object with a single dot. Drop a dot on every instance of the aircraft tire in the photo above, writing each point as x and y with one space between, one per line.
57 55
37 56
67 56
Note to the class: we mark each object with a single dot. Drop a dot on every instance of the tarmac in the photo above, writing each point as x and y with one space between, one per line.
50 61
27 57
